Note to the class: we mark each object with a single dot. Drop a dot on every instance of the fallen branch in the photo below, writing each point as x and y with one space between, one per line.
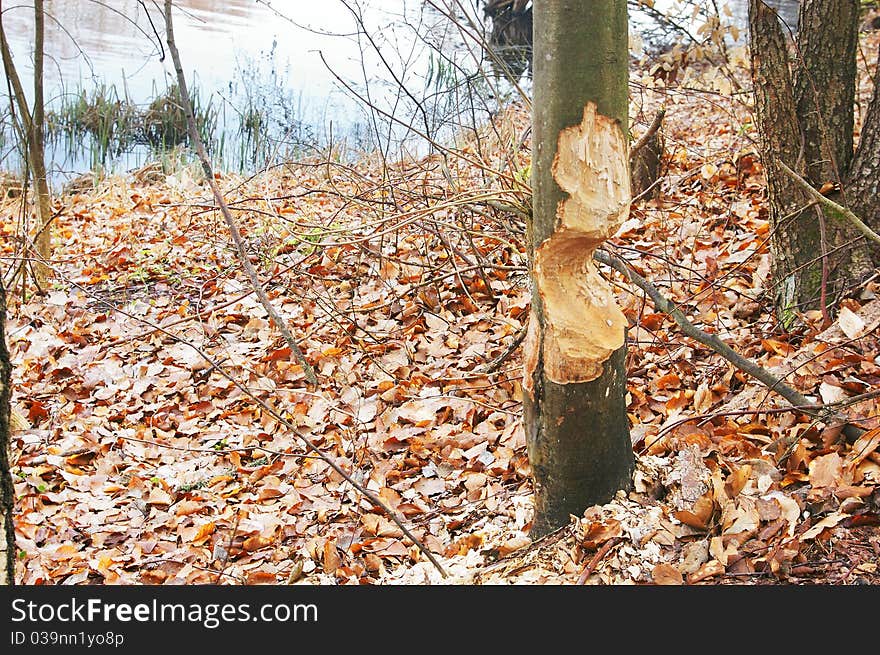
744 364
254 278
496 363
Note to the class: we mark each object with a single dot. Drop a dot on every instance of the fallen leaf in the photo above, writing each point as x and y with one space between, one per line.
331 558
850 323
666 574
261 577
513 544
708 570
828 522
256 543
826 470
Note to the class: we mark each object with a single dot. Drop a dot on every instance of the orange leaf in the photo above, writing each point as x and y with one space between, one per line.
204 532
256 543
702 513
268 493
666 574
737 480
261 577
600 532
777 347
708 570
187 507
668 381
275 355
331 557
37 411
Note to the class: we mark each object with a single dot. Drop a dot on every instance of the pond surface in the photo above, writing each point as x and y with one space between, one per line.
249 60
286 63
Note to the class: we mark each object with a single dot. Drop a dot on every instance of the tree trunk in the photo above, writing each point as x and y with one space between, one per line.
7 496
805 120
825 86
825 91
575 382
37 156
863 183
795 232
32 133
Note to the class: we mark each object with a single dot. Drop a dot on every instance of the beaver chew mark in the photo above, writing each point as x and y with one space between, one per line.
583 323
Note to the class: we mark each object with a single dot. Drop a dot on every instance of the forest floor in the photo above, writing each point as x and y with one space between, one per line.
148 382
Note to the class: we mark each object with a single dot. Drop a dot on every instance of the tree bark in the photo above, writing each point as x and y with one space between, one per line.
796 238
863 183
574 406
825 91
805 119
37 155
7 496
825 86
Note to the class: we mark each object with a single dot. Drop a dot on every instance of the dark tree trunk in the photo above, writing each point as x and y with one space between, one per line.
7 496
574 404
825 86
805 119
796 237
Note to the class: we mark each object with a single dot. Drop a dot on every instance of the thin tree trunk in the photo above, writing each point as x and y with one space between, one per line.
32 128
575 419
7 496
37 155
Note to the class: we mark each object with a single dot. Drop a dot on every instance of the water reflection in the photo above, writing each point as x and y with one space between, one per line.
259 63
284 59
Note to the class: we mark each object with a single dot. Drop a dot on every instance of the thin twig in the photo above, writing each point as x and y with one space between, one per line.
602 552
308 371
496 363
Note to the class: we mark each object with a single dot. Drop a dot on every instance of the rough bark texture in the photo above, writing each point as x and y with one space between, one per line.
574 402
796 238
863 185
818 258
825 85
825 91
7 497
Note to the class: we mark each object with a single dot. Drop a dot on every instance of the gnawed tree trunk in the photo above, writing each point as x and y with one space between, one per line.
7 496
805 119
575 382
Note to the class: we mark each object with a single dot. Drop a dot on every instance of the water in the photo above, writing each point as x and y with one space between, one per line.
299 64
281 76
